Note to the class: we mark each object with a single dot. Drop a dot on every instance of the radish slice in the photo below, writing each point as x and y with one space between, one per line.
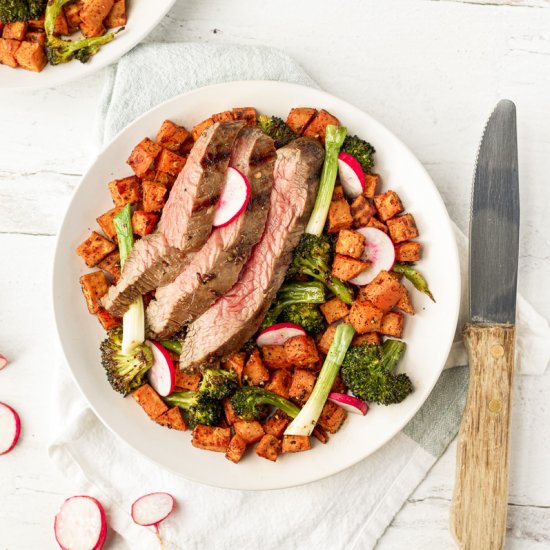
234 198
3 361
153 508
162 375
277 335
379 250
10 428
80 524
351 175
349 403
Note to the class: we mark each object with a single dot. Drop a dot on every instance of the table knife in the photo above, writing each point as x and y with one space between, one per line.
478 508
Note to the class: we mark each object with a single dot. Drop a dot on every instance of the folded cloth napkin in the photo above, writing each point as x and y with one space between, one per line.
336 513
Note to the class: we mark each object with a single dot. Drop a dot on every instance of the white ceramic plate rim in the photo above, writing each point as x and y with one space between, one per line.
312 469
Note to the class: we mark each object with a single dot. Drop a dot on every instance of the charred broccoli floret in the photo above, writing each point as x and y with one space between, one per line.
249 403
368 372
198 408
125 371
217 383
308 316
362 150
277 129
21 10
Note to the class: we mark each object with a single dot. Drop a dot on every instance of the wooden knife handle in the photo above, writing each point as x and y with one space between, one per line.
478 508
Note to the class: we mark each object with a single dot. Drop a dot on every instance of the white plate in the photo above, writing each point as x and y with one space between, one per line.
428 335
143 17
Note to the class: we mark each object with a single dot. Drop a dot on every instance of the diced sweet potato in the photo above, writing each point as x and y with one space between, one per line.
187 380
211 438
94 249
36 24
225 115
320 434
94 286
269 447
334 310
332 417
106 222
350 243
327 338
405 303
154 196
111 264
302 385
170 162
280 382
402 228
117 16
185 149
229 412
338 193
276 424
296 443
338 386
143 156
107 320
367 338
92 15
61 25
347 268
36 38
150 401
143 222
362 211
72 15
365 317
254 370
409 251
248 114
201 127
317 127
301 351
339 216
165 179
173 419
172 136
251 432
236 363
371 185
125 190
377 224
392 324
31 56
8 49
383 291
15 31
236 449
299 118
388 205
275 357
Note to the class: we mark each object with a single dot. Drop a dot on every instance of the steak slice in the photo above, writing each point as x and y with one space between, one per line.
215 268
158 258
235 317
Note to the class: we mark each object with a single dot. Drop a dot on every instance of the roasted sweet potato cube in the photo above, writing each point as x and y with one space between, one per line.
276 424
111 264
302 385
392 324
275 357
347 268
280 382
106 222
338 193
8 49
236 363
377 224
338 386
223 116
296 443
36 24
334 310
164 179
187 380
326 340
92 15
172 136
269 447
367 338
388 205
332 417
350 243
371 185
143 156
254 370
125 190
405 303
211 438
249 431
383 291
154 196
248 114
31 56
170 162
143 222
362 211
15 31
62 25
299 118
173 419
409 251
72 15
365 317
117 16
235 449
320 434
150 401
201 127
402 228
339 216
317 127
94 249
36 37
94 286
107 320
301 351
229 412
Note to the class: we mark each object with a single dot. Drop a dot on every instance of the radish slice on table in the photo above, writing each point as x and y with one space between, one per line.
379 251
10 428
80 524
3 361
151 509
277 335
351 175
162 375
234 198
349 403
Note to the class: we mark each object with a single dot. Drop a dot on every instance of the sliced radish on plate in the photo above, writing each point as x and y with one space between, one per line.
351 175
349 403
162 375
80 524
151 509
234 198
277 335
3 361
10 428
379 251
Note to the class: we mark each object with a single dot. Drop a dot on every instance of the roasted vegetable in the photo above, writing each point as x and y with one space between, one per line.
276 129
21 10
306 315
362 150
414 277
198 408
217 383
249 403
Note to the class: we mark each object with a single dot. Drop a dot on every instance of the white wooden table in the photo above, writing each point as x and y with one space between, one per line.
431 71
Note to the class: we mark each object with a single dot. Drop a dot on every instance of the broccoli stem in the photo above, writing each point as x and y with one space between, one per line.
392 351
307 418
182 399
266 397
172 345
297 293
334 137
414 277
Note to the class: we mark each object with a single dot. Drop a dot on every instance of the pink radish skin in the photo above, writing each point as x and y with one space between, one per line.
149 510
349 403
162 375
234 198
80 524
277 335
10 428
3 361
351 175
379 250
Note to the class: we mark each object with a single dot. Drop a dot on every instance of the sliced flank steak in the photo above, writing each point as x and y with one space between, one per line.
186 220
215 268
235 317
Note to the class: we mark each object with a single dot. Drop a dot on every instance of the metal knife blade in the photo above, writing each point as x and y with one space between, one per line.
494 222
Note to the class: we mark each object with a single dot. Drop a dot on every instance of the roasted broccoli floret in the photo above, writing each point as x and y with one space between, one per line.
21 10
198 408
362 150
217 383
125 372
312 257
308 316
249 403
276 129
368 372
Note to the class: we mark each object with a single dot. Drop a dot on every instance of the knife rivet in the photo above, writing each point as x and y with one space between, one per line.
497 351
495 405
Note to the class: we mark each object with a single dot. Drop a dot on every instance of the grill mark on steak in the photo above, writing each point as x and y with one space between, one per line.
237 315
216 267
